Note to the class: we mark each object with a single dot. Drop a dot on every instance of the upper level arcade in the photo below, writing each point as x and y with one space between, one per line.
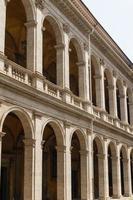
68 56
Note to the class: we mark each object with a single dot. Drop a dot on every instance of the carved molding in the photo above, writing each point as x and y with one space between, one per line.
40 4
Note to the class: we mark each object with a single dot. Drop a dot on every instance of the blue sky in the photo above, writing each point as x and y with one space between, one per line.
116 16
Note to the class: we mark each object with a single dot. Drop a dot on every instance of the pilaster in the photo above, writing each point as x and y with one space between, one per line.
2 31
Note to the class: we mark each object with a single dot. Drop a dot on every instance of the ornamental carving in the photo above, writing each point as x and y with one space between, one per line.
66 28
40 4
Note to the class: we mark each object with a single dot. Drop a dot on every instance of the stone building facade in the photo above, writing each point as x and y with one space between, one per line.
66 105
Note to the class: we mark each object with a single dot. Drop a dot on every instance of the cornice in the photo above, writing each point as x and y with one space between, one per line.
83 19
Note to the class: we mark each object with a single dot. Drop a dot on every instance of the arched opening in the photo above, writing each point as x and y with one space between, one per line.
123 169
98 169
12 160
49 164
75 168
118 99
106 91
16 34
131 165
110 172
73 67
49 50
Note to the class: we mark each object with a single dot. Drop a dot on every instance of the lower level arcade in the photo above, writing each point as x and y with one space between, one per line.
45 159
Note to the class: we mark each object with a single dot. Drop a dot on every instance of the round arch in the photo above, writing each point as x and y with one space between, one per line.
81 136
109 76
99 144
56 27
119 84
112 148
30 9
23 117
78 47
58 130
95 65
123 151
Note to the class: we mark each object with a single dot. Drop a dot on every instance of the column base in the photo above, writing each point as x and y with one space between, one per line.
116 196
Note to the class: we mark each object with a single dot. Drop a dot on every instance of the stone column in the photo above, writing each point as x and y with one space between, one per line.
102 86
106 176
112 100
123 106
29 145
131 112
2 32
81 71
84 175
101 169
90 165
60 64
126 177
2 134
98 90
38 77
61 150
129 174
68 181
31 44
115 176
66 87
87 75
118 173
112 96
38 158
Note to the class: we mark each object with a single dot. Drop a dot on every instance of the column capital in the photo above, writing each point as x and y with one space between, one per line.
84 152
101 156
2 134
61 148
97 76
60 46
30 24
29 142
122 96
114 158
111 87
80 64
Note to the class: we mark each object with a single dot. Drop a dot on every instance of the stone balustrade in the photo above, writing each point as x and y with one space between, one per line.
25 76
